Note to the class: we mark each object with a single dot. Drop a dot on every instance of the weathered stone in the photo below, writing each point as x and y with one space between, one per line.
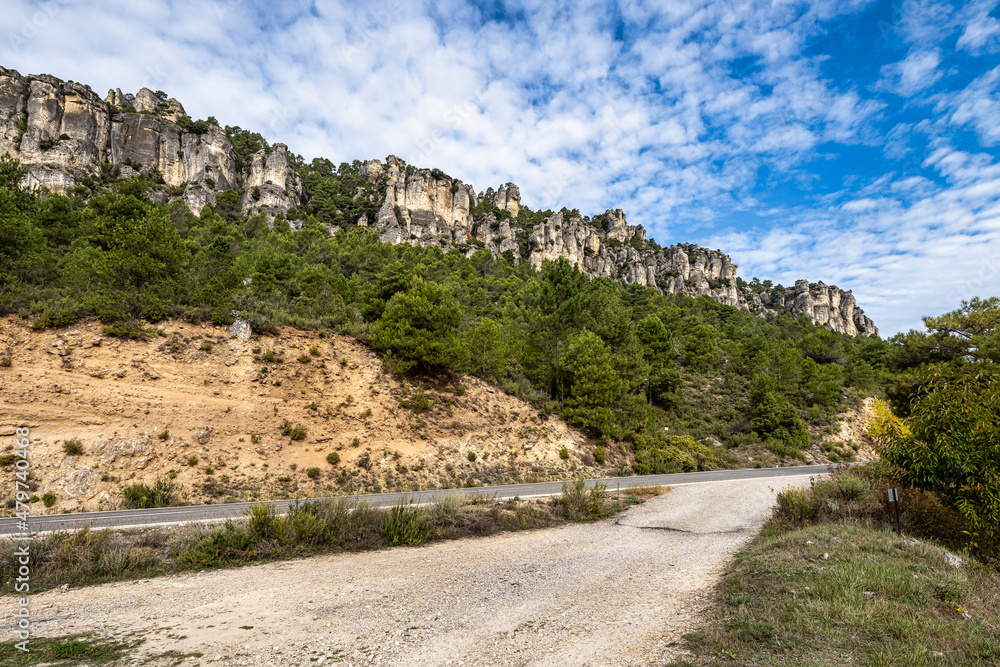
240 329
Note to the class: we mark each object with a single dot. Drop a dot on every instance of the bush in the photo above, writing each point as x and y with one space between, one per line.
472 456
141 496
314 351
418 403
406 525
798 506
578 502
312 473
333 458
5 361
206 346
164 435
49 499
564 453
298 432
192 461
73 447
953 448
601 454
304 359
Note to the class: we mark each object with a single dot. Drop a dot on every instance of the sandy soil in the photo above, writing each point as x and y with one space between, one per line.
617 592
198 403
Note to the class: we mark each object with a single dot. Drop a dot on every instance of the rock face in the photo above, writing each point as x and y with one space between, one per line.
63 132
826 305
272 186
427 207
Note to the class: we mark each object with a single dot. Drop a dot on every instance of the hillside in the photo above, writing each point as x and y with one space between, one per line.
143 408
71 141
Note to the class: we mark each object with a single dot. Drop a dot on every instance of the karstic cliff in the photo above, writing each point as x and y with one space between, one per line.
64 134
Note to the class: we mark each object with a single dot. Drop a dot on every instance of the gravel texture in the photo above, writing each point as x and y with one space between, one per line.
616 592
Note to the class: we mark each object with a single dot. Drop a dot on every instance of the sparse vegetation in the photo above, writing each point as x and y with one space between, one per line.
72 447
310 527
141 496
49 499
333 458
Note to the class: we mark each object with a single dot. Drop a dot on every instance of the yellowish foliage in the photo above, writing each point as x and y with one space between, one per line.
885 424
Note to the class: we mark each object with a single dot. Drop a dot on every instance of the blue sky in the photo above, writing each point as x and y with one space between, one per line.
846 141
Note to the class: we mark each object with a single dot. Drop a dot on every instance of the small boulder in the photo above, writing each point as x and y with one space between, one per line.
952 560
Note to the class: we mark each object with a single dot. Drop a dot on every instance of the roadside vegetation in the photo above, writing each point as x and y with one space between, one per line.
829 581
309 528
82 649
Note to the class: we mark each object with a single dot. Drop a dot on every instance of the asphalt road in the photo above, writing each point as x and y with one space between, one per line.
206 513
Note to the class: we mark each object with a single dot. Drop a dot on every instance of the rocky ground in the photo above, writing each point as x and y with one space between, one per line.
209 412
618 592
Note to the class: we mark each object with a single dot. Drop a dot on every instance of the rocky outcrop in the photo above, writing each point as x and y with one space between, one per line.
272 186
508 198
427 207
148 143
826 305
422 206
62 133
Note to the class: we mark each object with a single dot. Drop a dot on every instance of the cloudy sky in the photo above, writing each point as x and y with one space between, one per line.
845 141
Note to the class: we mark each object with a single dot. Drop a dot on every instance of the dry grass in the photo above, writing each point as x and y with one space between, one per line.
829 583
309 528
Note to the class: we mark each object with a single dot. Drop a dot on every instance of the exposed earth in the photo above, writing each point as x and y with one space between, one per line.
213 410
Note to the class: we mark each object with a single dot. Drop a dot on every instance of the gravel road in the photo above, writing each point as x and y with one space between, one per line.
617 592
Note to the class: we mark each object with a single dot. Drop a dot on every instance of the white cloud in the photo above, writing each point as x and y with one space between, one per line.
916 73
677 124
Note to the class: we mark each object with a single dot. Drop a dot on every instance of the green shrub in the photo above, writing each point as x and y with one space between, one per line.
564 453
601 454
333 458
460 390
49 499
73 447
314 351
312 473
192 461
206 346
799 506
406 525
164 434
298 432
254 438
264 521
578 502
141 496
472 456
304 359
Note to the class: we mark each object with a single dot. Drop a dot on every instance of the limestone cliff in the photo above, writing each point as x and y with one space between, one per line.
271 186
63 132
427 207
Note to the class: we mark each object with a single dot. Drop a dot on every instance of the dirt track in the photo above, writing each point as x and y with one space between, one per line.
616 592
